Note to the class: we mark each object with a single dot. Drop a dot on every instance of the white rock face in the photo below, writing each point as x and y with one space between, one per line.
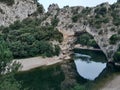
24 8
18 11
53 9
67 25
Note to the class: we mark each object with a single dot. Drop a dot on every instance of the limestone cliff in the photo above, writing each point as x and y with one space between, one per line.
20 10
102 22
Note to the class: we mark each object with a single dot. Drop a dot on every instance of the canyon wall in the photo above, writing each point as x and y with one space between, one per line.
19 10
102 22
80 19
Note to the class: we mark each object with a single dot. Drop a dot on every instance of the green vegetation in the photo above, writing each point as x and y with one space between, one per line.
115 13
75 18
114 38
116 17
101 17
44 78
79 87
54 21
86 39
86 11
40 8
97 56
8 2
28 38
7 81
5 55
104 15
117 55
101 11
1 11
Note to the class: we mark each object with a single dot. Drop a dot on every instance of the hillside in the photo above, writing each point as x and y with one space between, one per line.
36 38
101 22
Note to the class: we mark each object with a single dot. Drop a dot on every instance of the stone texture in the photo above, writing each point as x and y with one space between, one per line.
18 11
24 8
66 25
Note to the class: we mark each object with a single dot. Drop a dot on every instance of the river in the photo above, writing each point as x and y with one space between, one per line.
88 66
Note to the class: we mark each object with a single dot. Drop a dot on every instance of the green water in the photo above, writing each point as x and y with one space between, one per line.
104 77
52 77
48 78
97 56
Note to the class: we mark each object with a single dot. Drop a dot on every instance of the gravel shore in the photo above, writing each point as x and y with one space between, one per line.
30 63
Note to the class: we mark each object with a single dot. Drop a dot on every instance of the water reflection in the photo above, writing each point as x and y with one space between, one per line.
44 78
87 67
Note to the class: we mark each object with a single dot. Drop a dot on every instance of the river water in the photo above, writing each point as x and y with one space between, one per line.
87 68
89 65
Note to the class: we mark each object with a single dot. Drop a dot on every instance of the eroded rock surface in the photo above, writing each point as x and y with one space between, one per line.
20 10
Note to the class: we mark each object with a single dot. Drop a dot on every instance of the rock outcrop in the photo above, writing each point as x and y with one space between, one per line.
20 10
98 21
102 22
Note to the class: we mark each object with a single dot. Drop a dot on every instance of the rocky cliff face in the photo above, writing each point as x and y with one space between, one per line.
20 10
102 22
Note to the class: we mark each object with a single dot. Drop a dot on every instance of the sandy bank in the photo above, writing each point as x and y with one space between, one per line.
30 63
113 84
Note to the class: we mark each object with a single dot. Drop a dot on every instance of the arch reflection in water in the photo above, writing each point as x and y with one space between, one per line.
87 68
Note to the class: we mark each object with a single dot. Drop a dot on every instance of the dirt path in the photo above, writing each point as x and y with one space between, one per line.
113 85
30 63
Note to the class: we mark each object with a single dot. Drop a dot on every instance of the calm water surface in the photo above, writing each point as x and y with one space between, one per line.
89 64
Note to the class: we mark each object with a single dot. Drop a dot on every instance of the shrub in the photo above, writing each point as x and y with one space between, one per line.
8 2
86 39
70 25
2 11
79 87
117 56
27 38
54 21
101 10
57 50
86 11
114 38
75 18
116 21
40 8
5 55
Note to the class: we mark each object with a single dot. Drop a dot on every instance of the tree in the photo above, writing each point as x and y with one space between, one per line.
75 18
40 8
7 81
114 38
57 50
5 56
8 2
54 22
